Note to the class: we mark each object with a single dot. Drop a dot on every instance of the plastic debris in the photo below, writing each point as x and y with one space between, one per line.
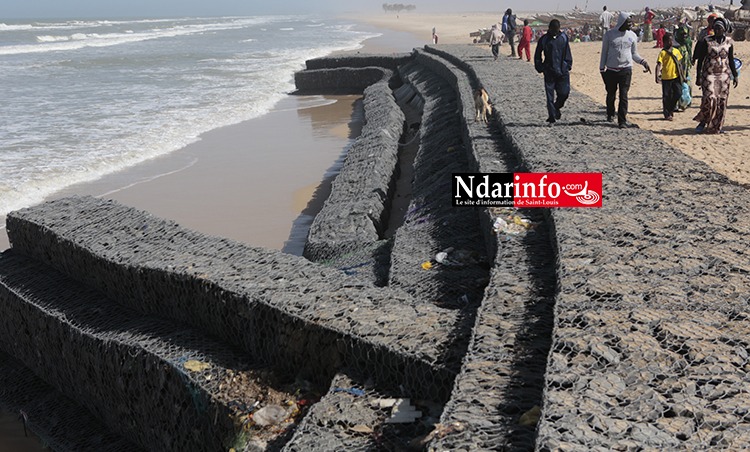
441 431
403 412
427 265
514 225
457 258
359 428
353 391
194 365
305 402
384 403
270 415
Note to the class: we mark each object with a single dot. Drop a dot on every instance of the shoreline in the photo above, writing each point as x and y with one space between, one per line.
327 125
233 175
312 131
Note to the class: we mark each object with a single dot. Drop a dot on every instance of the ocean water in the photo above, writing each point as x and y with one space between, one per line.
86 98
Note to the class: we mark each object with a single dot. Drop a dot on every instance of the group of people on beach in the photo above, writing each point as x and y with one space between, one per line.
713 58
644 32
508 32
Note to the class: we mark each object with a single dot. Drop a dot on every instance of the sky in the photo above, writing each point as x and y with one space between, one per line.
15 9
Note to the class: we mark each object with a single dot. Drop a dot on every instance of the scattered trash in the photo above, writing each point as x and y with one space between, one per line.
442 257
353 391
306 402
440 431
451 257
384 403
512 225
403 412
239 406
531 417
458 258
270 415
194 365
359 428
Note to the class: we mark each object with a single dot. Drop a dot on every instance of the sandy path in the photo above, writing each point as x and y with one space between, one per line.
728 153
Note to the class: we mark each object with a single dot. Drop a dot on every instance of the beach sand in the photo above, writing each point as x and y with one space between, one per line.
248 181
727 153
12 438
251 181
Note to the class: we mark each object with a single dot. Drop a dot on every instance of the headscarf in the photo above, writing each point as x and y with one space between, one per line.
719 22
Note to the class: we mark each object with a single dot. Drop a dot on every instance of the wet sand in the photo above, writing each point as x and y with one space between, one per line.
247 182
250 181
12 437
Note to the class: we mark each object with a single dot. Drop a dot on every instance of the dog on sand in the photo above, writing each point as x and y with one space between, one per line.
482 104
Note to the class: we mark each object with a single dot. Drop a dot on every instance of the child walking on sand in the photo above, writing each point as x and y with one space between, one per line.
668 72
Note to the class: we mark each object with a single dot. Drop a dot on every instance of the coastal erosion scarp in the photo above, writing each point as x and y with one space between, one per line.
621 327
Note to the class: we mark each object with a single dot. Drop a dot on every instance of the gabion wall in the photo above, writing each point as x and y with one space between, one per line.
127 370
431 225
59 422
390 61
503 369
341 80
347 232
650 347
282 309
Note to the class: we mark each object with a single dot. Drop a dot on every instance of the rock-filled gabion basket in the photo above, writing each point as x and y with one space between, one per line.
160 384
649 348
346 233
57 420
281 309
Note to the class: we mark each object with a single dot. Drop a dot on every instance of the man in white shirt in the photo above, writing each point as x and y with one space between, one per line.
605 20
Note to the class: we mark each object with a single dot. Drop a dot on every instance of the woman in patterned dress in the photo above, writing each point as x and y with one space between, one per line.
715 64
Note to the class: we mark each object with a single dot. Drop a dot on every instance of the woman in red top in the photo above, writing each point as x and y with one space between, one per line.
525 43
647 19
